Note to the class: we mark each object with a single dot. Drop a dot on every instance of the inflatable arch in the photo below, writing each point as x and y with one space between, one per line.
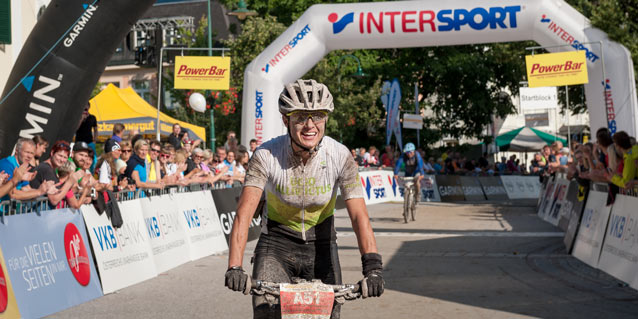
59 65
327 27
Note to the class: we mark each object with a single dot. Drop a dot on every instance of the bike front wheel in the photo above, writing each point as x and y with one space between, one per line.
407 204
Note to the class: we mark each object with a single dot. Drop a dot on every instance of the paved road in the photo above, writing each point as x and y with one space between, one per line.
456 261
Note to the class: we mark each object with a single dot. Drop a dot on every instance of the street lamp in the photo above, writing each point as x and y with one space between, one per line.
242 11
358 74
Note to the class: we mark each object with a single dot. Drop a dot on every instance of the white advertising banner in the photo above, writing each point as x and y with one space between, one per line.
379 187
591 232
619 256
199 218
521 187
123 255
539 98
552 213
168 237
546 198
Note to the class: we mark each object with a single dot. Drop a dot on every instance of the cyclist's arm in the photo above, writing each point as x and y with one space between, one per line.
248 202
361 225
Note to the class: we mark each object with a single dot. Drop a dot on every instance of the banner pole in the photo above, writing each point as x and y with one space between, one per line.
569 137
159 91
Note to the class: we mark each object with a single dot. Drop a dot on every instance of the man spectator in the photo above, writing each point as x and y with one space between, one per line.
25 151
511 164
87 131
253 146
80 154
118 132
483 163
175 138
230 135
41 145
361 158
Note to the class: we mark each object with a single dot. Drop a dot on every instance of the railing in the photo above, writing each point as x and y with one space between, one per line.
14 207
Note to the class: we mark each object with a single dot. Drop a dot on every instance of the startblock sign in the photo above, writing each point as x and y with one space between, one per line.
556 69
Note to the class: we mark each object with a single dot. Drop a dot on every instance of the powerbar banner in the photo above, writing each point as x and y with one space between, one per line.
49 262
202 72
226 202
59 64
556 69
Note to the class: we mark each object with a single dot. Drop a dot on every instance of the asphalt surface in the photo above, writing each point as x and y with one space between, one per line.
467 260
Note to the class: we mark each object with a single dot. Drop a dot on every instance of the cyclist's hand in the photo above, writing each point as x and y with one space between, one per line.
372 284
236 279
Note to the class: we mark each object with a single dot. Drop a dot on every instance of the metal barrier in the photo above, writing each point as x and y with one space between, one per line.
14 207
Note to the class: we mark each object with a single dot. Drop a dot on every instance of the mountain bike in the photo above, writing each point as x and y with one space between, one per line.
306 299
409 198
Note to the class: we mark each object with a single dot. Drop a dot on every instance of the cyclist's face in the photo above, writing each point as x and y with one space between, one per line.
307 128
410 154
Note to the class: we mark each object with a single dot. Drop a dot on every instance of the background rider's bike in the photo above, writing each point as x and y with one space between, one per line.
409 198
305 299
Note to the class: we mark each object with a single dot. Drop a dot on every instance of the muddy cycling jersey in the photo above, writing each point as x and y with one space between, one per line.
300 199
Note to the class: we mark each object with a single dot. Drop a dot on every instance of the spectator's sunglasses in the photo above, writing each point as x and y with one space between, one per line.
61 146
127 150
163 155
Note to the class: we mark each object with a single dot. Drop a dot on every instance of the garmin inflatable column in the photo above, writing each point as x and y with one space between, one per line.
60 64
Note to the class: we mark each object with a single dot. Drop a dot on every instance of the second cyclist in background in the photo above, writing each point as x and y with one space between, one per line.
413 164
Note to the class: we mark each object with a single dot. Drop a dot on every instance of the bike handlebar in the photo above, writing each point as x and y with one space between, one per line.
348 291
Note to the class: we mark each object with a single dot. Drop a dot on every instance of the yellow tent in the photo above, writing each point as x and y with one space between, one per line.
115 105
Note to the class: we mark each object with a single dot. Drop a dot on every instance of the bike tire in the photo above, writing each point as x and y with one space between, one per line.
413 207
406 204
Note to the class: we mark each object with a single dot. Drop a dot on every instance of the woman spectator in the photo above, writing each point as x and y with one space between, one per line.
66 172
41 146
127 151
107 169
136 167
240 167
629 151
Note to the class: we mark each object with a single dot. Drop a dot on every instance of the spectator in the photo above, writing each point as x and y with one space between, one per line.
354 153
48 171
387 159
232 145
511 164
87 131
107 168
118 133
252 147
537 166
629 151
174 138
20 174
230 135
66 174
80 154
427 166
127 151
502 166
41 146
167 168
361 158
438 166
136 167
24 154
483 163
154 175
372 157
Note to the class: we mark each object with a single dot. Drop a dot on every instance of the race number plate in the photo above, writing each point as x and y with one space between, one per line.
308 300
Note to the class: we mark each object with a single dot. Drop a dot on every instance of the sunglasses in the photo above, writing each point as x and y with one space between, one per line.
165 155
197 156
300 118
126 151
154 150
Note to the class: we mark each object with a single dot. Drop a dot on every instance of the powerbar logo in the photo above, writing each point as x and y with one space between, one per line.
609 104
427 20
259 116
89 10
568 38
286 49
41 107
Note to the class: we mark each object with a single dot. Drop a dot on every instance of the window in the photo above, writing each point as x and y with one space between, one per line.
5 21
143 89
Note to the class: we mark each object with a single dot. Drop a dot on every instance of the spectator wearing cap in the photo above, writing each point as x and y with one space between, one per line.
136 166
47 171
107 169
80 154
25 151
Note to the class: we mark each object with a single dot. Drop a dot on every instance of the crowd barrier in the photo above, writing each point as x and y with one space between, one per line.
52 260
602 236
380 186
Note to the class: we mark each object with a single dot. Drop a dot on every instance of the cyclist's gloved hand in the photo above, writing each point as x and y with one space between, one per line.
372 284
236 279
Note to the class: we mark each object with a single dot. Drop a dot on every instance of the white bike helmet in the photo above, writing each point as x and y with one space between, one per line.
305 95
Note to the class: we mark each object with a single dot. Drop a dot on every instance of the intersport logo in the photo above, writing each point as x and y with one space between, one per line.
76 255
420 21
